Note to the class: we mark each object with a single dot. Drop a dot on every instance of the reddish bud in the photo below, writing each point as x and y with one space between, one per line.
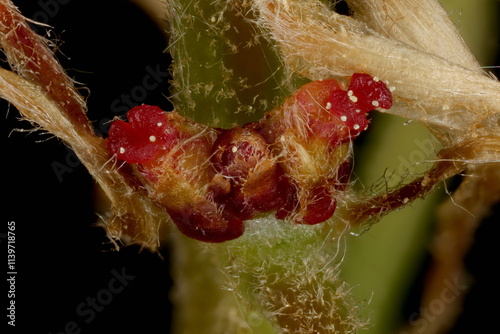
339 115
321 205
311 132
237 152
207 223
343 176
178 181
247 173
288 195
314 101
141 138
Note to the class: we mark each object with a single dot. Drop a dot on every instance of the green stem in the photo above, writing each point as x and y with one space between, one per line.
224 72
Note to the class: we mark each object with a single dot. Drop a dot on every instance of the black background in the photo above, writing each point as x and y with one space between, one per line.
62 258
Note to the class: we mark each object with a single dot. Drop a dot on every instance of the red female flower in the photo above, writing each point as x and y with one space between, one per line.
295 161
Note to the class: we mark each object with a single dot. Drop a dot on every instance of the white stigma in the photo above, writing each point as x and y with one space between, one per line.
328 106
343 118
152 139
122 150
159 124
375 104
234 149
376 79
356 127
353 98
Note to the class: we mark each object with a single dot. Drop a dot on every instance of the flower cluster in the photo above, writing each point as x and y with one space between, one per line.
293 162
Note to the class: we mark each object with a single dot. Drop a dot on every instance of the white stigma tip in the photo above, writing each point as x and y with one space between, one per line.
328 106
350 93
122 150
152 139
343 118
358 111
375 104
356 127
392 88
159 124
234 149
353 98
376 79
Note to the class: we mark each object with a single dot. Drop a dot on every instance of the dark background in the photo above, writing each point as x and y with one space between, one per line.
62 258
